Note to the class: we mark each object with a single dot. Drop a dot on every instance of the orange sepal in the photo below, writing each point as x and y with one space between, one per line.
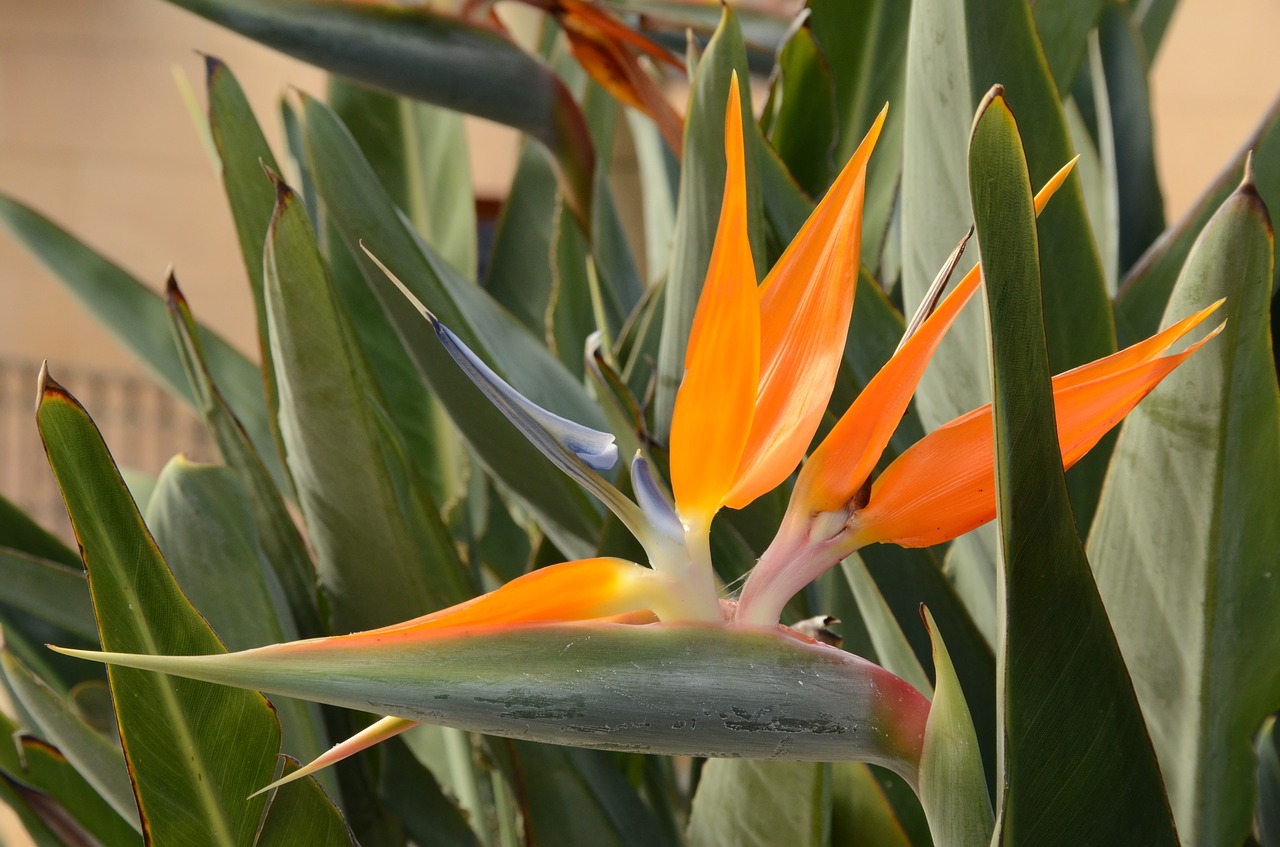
716 401
805 305
846 457
944 485
602 46
586 589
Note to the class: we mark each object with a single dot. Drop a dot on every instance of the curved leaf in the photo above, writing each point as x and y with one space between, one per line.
190 783
1186 542
740 801
428 56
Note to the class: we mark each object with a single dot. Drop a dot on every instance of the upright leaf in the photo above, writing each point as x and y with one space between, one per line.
957 49
365 215
382 551
202 523
1067 777
189 782
1145 291
1186 542
742 801
282 543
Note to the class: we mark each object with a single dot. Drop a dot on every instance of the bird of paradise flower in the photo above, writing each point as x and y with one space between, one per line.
741 426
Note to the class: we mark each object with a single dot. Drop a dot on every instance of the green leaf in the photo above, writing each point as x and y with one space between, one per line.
19 532
743 802
429 56
411 792
702 178
242 154
863 814
865 44
48 590
1186 543
39 765
94 757
953 785
190 783
1067 777
201 521
519 275
382 552
135 315
282 544
801 113
681 690
1152 18
1140 205
1063 29
301 813
546 780
1267 821
1145 291
385 127
364 214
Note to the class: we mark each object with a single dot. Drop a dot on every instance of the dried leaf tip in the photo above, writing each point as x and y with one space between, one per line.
47 385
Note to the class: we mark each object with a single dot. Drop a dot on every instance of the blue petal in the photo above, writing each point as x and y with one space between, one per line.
597 449
653 502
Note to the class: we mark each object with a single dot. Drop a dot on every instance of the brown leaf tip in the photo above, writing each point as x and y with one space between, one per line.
1248 189
47 387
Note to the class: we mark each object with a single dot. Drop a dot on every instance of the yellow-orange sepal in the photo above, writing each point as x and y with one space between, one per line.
846 457
716 402
805 305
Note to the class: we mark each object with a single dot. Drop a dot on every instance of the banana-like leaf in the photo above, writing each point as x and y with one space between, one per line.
665 688
1139 201
301 813
865 44
94 756
382 552
189 782
740 801
702 181
1145 291
607 810
1063 29
41 766
48 590
892 648
863 813
429 56
1067 777
201 521
386 129
19 532
953 786
366 216
801 113
1186 544
411 792
1152 18
282 543
135 315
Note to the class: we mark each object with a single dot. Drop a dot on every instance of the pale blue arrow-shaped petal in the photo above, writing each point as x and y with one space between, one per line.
578 450
653 502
